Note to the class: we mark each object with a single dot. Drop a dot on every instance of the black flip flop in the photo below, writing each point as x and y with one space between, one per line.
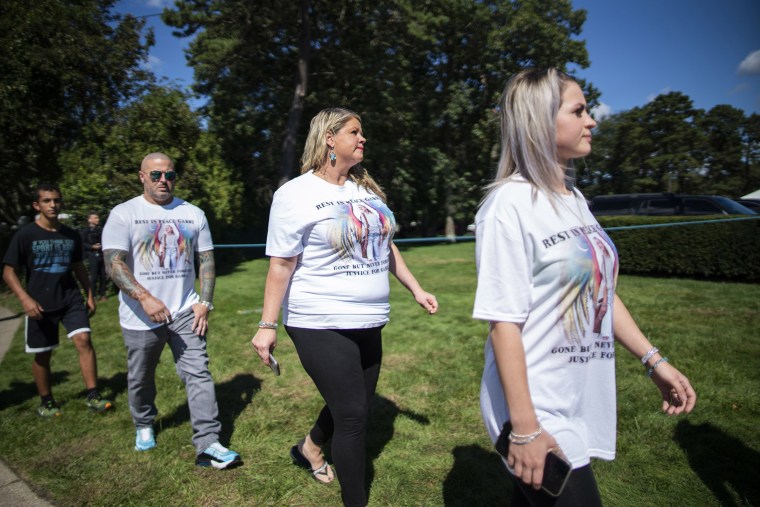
300 460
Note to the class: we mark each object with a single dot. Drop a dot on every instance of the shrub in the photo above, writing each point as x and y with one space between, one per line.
687 246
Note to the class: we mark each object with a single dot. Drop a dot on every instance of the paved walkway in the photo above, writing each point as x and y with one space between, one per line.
13 490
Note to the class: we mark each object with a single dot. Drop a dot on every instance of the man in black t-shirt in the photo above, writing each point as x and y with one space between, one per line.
51 254
91 242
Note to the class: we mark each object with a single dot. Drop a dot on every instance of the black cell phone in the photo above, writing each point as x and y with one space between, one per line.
556 468
274 364
556 473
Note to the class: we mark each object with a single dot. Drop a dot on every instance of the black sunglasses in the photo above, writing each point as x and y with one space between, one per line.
169 175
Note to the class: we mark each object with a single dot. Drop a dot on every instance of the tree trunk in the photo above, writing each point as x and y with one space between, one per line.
295 113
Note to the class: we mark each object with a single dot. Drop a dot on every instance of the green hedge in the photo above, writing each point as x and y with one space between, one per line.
721 250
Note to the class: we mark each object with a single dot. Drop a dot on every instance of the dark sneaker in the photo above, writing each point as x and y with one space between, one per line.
218 456
49 409
145 440
98 404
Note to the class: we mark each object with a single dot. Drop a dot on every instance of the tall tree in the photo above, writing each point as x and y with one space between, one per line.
723 168
101 169
64 65
674 160
425 77
750 134
655 148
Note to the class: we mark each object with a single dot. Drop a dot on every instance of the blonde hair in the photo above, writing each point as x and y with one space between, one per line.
529 109
316 151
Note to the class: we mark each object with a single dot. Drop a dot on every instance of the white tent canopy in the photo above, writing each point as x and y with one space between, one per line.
752 195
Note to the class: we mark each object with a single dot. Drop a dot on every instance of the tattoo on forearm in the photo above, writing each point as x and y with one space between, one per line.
207 274
119 272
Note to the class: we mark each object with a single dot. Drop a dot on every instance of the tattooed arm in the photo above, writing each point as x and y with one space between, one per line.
119 273
207 277
206 274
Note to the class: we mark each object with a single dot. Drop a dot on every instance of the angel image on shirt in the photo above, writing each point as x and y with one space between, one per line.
363 230
591 273
164 246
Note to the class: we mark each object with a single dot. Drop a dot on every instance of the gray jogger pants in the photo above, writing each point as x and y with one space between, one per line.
144 349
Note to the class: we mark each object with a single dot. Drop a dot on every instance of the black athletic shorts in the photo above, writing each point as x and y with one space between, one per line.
42 335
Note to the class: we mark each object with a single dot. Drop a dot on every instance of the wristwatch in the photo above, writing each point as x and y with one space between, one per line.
208 304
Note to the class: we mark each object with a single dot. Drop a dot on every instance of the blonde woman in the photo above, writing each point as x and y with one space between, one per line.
335 294
549 378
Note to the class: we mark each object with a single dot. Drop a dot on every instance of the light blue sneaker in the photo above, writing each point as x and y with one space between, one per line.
218 456
144 439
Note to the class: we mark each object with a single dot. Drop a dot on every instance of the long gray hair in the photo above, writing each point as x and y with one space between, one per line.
529 109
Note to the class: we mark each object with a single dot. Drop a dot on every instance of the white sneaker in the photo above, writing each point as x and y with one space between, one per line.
145 440
218 456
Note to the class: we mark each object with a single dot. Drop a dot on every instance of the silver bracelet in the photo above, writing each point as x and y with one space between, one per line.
650 371
525 439
648 355
267 325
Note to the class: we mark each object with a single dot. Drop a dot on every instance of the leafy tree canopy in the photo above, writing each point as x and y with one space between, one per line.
102 171
65 64
670 146
424 75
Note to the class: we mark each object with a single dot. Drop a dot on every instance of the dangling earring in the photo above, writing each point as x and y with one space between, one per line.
333 156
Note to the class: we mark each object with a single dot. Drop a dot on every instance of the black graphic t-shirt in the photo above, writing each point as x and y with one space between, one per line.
46 257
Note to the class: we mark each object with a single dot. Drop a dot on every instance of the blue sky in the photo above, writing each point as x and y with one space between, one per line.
638 49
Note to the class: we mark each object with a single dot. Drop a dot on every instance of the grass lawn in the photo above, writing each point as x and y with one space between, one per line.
427 444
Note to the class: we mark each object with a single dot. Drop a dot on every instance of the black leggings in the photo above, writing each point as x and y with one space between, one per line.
580 491
344 365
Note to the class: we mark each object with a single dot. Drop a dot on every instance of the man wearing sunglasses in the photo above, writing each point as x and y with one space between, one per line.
159 304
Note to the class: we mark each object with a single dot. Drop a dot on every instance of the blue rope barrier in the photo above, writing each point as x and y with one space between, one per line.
455 239
242 245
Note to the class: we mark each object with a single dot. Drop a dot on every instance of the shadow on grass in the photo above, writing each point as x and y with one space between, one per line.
112 387
477 478
721 461
231 396
20 392
382 416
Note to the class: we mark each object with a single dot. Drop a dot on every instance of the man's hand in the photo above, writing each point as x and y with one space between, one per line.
90 305
156 309
32 308
200 321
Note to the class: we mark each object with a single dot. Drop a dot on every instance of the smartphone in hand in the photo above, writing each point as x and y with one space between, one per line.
556 473
556 468
273 364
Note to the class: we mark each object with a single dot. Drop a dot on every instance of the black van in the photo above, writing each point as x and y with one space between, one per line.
666 204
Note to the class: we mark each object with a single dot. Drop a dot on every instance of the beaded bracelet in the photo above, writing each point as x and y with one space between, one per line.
267 325
650 371
646 357
525 439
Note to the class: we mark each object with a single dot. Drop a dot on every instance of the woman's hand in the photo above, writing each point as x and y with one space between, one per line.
427 301
527 460
677 394
264 342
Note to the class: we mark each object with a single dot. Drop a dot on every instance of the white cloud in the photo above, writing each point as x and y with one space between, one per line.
601 111
740 88
154 63
750 65
158 4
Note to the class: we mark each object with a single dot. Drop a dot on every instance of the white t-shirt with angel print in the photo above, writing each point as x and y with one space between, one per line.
161 242
554 272
342 237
